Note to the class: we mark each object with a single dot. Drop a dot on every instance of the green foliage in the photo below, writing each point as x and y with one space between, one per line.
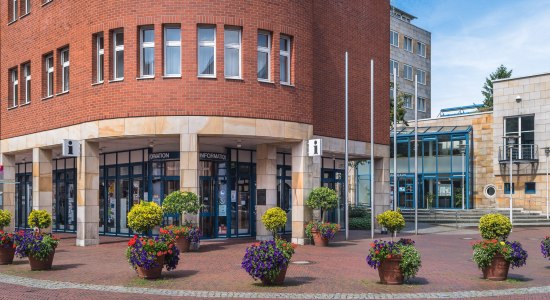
322 198
401 110
274 219
494 226
404 250
487 91
430 197
410 261
327 230
458 197
144 216
392 220
358 223
179 202
285 247
39 219
358 212
5 218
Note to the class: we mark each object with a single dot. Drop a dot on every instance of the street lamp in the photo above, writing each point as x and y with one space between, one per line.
547 152
511 142
462 148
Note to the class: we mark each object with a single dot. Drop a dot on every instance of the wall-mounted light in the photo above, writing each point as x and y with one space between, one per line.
518 98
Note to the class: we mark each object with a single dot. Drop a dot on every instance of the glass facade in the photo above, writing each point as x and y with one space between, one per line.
444 163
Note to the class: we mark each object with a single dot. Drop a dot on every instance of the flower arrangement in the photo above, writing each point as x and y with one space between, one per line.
326 230
143 252
39 219
410 261
494 226
391 220
6 239
265 260
179 202
286 247
322 198
484 252
545 247
35 244
144 216
189 231
274 219
5 218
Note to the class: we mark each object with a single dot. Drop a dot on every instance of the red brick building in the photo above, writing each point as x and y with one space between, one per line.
215 97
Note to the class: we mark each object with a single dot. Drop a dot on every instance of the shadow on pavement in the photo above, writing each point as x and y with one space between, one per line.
65 266
517 277
341 244
417 281
289 281
179 274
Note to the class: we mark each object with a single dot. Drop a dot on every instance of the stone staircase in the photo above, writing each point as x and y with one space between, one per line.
470 218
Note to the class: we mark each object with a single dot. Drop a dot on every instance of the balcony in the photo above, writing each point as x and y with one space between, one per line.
525 153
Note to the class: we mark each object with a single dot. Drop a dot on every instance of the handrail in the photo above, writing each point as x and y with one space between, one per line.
518 152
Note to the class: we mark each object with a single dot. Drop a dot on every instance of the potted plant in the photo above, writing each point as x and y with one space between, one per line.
183 236
396 261
37 246
7 246
149 255
494 255
392 220
179 202
324 199
545 247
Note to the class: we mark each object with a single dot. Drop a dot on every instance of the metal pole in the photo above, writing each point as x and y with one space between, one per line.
463 175
346 153
416 154
547 150
394 139
372 148
511 185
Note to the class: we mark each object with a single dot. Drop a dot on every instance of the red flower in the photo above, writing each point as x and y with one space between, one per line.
372 245
159 253
169 251
376 252
388 256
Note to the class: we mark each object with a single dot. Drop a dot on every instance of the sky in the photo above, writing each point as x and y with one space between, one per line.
471 38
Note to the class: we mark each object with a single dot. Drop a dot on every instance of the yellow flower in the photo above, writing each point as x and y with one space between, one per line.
502 243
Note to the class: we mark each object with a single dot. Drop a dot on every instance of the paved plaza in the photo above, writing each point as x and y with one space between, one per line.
336 272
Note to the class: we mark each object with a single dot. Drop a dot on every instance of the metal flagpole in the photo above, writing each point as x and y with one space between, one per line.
394 139
416 154
372 148
346 153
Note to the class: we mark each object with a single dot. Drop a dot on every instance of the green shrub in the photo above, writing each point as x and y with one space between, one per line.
392 220
273 219
39 219
322 198
358 212
357 223
494 226
179 202
144 216
5 218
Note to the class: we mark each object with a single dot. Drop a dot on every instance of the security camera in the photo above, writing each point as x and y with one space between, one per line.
518 98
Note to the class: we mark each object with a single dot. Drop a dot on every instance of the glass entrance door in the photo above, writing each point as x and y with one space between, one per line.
405 192
64 200
23 196
242 206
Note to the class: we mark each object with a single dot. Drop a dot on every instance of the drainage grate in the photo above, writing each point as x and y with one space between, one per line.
467 238
301 262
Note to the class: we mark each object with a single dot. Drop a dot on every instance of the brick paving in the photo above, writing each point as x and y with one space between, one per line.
339 271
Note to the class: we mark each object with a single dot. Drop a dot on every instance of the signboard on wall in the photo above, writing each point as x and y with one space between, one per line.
315 147
71 148
444 190
261 197
164 155
213 156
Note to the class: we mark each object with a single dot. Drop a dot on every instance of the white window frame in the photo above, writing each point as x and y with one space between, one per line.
421 76
408 104
14 87
167 44
211 44
288 54
395 36
418 106
233 46
405 44
49 70
421 49
100 56
405 72
27 74
14 12
27 6
117 48
144 45
64 59
394 63
268 51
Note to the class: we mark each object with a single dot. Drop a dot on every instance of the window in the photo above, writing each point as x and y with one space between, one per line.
232 54
285 59
14 87
394 38
172 51
421 49
408 101
147 52
394 65
207 51
118 55
408 44
13 11
408 72
421 76
524 127
530 188
64 58
27 7
27 86
264 56
421 104
48 67
100 55
507 188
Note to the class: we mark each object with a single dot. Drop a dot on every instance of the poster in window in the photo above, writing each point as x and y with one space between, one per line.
444 190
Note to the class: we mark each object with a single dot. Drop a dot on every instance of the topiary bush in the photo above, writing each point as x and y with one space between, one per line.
392 220
358 223
5 218
40 219
144 216
273 219
494 226
322 198
358 211
179 202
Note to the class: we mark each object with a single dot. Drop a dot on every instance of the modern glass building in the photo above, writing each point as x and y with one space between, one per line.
444 167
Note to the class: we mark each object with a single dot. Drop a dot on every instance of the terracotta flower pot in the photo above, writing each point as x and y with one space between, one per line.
6 254
41 265
279 280
318 238
154 272
498 270
390 272
183 244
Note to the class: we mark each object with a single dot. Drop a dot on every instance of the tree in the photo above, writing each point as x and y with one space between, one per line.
400 107
487 91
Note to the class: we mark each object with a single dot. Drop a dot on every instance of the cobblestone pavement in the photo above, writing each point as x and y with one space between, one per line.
336 272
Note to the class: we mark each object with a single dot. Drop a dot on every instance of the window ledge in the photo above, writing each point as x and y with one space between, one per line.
13 21
12 107
234 78
62 93
396 46
25 104
46 3
47 97
287 84
171 77
97 83
265 81
145 78
21 17
116 80
207 76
